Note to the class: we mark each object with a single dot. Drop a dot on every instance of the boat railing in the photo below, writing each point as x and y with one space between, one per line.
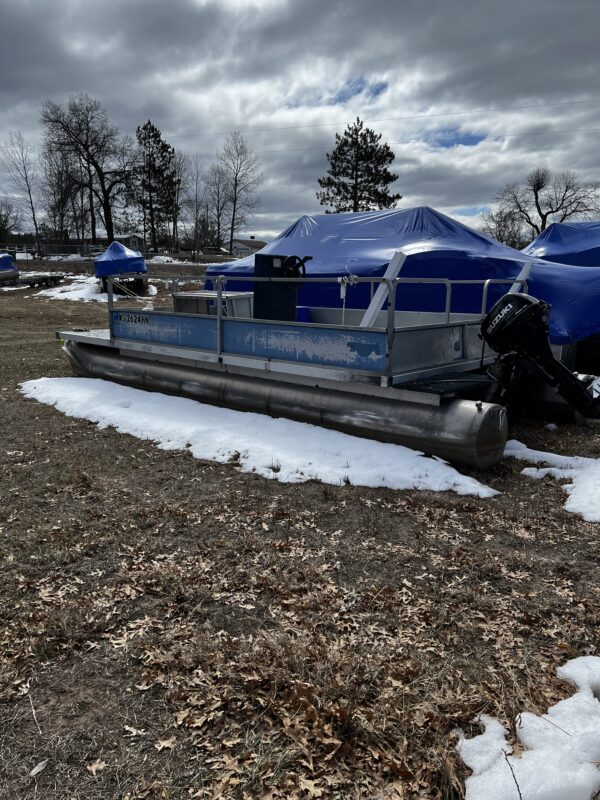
390 347
220 282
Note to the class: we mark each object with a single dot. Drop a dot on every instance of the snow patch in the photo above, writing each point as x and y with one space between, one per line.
82 288
288 451
166 260
70 257
562 747
584 473
481 752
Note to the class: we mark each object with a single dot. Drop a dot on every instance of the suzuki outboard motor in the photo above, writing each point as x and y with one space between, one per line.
517 329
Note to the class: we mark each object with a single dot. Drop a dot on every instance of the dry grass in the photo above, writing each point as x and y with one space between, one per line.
183 630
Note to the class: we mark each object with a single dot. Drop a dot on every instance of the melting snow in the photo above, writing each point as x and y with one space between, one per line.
276 448
584 473
83 288
562 747
166 260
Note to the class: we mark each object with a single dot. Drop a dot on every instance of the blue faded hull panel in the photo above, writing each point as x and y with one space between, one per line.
363 350
313 345
155 327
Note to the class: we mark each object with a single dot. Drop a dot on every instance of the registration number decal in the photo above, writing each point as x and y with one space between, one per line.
136 319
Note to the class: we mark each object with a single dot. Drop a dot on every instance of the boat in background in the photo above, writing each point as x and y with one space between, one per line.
126 266
8 271
574 243
436 246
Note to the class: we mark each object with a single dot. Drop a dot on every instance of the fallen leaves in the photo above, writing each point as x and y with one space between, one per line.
166 744
97 766
134 731
39 768
320 647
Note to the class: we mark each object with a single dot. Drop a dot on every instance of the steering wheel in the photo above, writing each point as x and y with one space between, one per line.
293 266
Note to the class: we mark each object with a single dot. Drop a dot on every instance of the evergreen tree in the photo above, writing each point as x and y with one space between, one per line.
358 176
154 186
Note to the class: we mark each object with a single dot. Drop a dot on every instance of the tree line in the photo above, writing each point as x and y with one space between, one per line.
88 182
88 177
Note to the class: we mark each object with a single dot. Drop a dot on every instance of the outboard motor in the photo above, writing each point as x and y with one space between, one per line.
277 300
517 329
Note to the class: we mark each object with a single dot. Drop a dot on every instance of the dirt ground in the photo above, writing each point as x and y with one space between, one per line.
171 628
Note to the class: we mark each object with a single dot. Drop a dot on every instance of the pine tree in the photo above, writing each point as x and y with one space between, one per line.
155 183
358 176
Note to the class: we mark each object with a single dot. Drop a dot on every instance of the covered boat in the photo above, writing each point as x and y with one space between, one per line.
436 246
119 260
125 265
575 243
8 272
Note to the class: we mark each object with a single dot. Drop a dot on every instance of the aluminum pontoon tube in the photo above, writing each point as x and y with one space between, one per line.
460 431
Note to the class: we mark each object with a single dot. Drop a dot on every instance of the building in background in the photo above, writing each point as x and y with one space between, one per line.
246 247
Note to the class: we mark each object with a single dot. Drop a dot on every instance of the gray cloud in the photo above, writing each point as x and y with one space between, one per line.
198 68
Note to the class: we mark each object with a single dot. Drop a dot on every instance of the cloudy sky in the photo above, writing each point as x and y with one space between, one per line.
470 94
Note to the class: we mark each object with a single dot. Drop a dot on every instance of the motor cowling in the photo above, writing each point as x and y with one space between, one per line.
518 323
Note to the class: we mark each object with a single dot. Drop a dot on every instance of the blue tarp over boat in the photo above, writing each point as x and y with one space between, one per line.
8 271
437 246
6 261
118 259
576 243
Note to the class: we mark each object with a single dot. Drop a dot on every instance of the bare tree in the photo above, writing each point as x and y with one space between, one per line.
82 129
181 165
58 187
241 168
195 215
217 195
10 218
544 197
21 167
505 226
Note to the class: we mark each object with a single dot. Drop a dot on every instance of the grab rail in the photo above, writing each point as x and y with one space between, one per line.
220 282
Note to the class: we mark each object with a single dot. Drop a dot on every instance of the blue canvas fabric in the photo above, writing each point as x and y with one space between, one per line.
437 246
117 259
576 243
6 261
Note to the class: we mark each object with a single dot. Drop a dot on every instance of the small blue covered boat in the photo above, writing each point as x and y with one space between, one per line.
8 272
118 261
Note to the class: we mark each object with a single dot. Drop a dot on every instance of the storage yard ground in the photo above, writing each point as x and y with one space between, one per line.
171 628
